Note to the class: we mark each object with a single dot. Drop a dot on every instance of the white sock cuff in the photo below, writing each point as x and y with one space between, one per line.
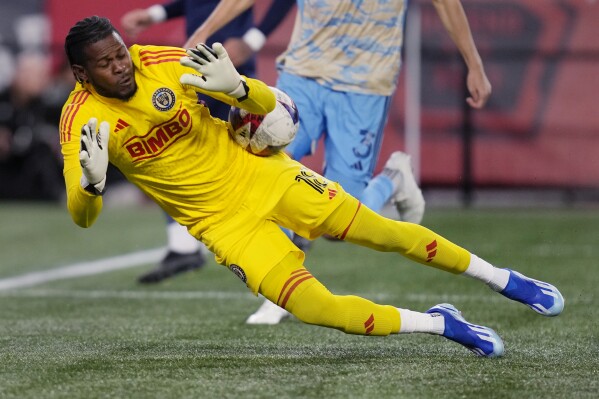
482 270
479 269
420 322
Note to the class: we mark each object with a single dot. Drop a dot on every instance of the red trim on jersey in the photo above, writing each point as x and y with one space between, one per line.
342 237
161 61
69 116
165 54
65 117
157 57
82 100
144 52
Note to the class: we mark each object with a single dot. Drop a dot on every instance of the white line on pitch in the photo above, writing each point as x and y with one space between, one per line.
82 269
127 294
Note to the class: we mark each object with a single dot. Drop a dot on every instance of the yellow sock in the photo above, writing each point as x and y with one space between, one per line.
356 223
293 287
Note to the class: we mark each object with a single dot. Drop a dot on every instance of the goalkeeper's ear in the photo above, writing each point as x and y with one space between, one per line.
79 73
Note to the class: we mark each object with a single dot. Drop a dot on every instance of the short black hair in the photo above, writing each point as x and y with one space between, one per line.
87 31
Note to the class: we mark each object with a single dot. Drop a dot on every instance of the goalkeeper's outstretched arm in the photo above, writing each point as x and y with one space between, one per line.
210 71
86 163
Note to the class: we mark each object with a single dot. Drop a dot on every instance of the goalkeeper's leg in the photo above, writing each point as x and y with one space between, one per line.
357 224
294 288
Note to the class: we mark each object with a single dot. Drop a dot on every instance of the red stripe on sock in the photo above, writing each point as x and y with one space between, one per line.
431 246
369 324
297 273
293 287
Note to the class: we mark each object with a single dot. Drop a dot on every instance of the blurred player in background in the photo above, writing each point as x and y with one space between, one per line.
341 68
30 165
31 98
185 160
185 253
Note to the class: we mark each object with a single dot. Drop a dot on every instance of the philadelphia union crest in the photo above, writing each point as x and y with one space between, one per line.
238 271
163 99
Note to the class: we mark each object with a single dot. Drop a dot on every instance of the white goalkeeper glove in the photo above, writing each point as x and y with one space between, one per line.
218 72
93 155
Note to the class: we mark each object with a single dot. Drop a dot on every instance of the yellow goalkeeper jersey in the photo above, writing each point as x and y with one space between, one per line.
164 142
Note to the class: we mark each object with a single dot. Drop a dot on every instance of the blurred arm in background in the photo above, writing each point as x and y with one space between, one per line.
224 13
253 40
455 22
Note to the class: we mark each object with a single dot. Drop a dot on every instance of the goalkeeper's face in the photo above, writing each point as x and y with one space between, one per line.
109 69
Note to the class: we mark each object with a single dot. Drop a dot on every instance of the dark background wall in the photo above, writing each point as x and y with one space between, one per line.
541 126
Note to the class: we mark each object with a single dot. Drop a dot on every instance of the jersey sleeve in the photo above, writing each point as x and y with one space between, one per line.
83 206
260 100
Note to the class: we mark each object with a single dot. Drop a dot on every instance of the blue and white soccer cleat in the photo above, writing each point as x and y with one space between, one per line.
541 297
483 341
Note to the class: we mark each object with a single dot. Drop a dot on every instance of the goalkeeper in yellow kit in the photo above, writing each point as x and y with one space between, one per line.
137 108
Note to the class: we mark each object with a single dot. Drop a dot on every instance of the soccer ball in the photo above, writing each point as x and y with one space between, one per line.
268 134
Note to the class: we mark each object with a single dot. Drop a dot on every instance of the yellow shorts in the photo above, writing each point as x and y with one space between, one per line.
287 194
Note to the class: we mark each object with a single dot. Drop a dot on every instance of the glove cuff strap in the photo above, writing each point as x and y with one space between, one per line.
95 189
241 92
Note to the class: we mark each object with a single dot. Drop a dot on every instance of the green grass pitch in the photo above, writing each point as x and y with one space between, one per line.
105 336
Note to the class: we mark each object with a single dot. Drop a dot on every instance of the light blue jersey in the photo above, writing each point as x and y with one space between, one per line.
347 45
